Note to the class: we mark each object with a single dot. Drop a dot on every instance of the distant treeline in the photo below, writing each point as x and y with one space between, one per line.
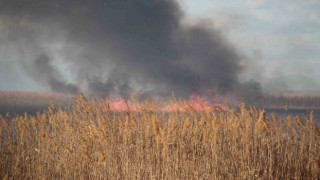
290 101
17 103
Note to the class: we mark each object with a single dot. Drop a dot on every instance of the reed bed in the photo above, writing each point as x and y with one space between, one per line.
89 141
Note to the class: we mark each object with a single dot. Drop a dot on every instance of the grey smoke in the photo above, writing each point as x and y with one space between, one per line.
46 73
117 47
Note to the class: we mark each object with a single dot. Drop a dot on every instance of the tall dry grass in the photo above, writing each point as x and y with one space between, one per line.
89 141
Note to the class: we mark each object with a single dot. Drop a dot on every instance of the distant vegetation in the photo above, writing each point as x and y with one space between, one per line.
297 101
17 103
89 141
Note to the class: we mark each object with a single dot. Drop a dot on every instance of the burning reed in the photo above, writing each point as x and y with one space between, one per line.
90 141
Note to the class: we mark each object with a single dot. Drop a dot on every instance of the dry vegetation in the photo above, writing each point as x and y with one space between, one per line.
91 142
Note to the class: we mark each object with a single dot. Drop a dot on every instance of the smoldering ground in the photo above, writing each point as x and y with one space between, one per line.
121 47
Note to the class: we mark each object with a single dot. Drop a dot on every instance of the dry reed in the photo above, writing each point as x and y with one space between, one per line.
89 141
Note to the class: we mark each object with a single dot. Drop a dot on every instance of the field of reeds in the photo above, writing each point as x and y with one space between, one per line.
90 141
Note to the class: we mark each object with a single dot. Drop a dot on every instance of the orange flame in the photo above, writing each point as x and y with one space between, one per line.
121 104
195 102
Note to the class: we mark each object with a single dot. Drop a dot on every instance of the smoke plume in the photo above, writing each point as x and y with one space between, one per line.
121 47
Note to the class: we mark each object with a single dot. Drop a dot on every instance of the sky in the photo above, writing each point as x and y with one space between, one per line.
281 37
276 42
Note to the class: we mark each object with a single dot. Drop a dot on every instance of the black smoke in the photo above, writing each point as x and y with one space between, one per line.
121 47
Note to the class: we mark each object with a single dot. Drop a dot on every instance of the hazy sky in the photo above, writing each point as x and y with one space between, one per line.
282 37
280 41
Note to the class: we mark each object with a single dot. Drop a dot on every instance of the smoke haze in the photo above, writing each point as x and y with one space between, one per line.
120 47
